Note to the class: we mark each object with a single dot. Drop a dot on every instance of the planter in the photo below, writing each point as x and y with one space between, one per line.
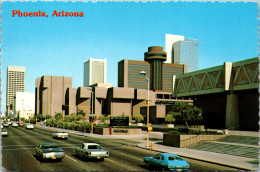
140 124
199 127
183 141
170 125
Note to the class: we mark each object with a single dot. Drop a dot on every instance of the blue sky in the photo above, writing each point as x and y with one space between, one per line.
120 30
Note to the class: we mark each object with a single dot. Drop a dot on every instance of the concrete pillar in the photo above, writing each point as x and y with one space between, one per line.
232 112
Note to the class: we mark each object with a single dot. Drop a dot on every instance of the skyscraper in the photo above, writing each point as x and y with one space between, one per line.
15 83
186 52
182 51
94 71
169 41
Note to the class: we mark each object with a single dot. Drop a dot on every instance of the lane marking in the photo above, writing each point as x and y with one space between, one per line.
109 159
35 159
71 158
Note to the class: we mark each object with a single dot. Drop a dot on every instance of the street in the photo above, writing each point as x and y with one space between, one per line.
18 154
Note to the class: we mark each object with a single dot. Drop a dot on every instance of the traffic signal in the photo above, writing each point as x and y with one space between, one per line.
91 119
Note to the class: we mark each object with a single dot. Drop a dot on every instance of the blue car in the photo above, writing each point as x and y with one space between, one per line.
166 162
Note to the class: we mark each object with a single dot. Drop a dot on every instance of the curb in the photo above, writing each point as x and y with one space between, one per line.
203 160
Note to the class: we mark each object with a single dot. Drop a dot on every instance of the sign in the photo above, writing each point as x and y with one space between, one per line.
92 118
119 121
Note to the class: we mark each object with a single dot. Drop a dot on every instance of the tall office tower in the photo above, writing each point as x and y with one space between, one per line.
155 56
182 51
94 71
187 52
15 83
169 40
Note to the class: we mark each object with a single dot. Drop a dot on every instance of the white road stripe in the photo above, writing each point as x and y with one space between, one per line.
109 159
71 158
35 159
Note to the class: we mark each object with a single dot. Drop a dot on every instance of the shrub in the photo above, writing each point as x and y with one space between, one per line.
73 126
108 117
170 118
79 117
102 118
66 125
84 126
58 116
33 121
60 124
139 118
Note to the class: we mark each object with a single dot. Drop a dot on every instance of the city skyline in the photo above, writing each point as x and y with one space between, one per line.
59 46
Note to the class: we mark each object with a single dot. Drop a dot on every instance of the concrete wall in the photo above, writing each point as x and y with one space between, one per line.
183 141
118 131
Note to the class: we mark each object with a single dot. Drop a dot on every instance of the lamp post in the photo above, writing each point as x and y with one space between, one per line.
92 108
45 112
147 116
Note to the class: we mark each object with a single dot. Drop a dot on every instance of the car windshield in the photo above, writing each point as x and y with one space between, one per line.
50 146
94 147
172 158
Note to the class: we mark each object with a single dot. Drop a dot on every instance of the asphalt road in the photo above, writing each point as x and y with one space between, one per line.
18 154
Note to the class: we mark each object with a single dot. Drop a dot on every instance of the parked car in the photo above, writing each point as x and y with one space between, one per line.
91 151
50 151
60 135
14 124
4 132
167 161
6 124
29 126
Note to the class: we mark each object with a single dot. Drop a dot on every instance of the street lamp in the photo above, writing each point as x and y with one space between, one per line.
148 88
92 107
45 111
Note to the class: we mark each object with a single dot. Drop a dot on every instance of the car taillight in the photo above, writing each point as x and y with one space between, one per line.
63 154
89 153
107 153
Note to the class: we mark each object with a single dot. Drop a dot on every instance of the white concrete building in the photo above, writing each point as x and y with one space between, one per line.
94 71
15 83
24 105
169 41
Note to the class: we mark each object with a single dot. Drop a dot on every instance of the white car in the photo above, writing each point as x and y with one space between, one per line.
29 126
60 135
4 132
14 124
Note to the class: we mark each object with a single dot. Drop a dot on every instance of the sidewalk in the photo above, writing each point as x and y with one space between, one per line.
217 158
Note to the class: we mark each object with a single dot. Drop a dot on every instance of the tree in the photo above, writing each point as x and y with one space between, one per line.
39 117
170 117
102 118
186 113
139 118
81 112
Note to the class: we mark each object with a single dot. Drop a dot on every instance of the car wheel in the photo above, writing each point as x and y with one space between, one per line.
163 169
147 165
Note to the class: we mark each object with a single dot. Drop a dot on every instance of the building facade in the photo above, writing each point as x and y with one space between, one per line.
24 105
50 94
182 51
129 74
169 41
94 71
186 52
15 83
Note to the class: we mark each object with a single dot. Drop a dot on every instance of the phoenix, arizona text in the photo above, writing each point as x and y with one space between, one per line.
18 13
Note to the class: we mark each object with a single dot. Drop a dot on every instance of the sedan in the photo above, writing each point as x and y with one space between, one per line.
6 124
4 132
60 135
29 126
167 161
14 124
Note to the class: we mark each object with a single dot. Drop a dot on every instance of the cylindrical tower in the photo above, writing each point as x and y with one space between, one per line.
155 56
